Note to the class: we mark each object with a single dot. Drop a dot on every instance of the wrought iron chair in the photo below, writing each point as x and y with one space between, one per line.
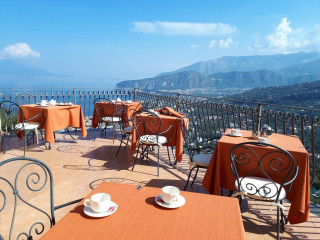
149 135
199 150
38 181
109 113
149 104
263 176
127 129
10 114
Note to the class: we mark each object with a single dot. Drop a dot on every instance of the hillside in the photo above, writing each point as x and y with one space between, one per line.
248 63
305 95
229 81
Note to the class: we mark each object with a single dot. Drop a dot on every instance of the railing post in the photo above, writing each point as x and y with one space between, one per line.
74 96
178 102
134 94
259 117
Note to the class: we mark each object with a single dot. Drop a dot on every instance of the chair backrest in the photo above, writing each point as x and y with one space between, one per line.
147 123
264 160
10 112
106 108
21 181
192 141
149 104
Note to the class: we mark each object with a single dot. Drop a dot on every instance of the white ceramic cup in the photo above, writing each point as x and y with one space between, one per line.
263 139
170 194
98 202
235 131
118 100
129 101
43 102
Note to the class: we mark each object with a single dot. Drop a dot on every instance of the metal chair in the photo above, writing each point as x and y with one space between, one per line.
127 129
32 179
262 175
109 112
199 150
149 135
10 114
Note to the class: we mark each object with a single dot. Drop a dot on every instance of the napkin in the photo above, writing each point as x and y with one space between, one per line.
169 111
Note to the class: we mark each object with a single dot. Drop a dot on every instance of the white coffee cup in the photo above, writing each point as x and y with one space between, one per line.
235 131
43 102
118 100
170 194
98 202
263 139
129 101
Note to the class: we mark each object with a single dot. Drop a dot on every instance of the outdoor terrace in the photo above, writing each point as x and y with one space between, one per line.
78 167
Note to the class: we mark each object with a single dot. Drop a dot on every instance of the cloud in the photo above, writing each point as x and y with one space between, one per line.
194 45
225 43
222 43
18 50
212 43
184 28
286 39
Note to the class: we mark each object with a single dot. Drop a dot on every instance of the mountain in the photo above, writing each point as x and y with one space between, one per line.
15 75
230 81
248 63
181 80
305 95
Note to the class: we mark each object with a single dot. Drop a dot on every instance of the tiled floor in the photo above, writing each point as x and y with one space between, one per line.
80 166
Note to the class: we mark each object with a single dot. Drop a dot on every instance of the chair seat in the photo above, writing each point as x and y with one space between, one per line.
27 126
202 159
111 119
152 139
264 189
127 129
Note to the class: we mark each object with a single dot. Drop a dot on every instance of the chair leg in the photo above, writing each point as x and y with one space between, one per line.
123 136
158 159
169 155
135 158
278 223
174 156
25 143
188 178
195 176
127 141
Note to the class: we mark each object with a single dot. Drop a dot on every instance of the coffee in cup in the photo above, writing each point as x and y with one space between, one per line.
170 194
98 202
235 131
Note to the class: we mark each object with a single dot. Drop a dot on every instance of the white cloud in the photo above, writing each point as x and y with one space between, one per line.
18 50
212 43
286 39
225 43
184 28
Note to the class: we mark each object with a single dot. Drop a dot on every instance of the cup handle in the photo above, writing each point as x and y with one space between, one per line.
175 198
87 203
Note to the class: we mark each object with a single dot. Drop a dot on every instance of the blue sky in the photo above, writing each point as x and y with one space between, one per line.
135 39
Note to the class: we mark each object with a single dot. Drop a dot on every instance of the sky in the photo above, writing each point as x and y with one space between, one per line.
135 39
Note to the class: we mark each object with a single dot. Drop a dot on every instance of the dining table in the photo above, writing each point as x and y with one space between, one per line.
168 117
219 174
56 117
138 216
131 108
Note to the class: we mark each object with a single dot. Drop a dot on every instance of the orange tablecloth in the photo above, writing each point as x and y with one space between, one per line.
139 217
130 107
177 137
57 118
219 173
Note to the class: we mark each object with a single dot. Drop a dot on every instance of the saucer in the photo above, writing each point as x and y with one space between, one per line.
181 201
235 135
38 105
112 209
